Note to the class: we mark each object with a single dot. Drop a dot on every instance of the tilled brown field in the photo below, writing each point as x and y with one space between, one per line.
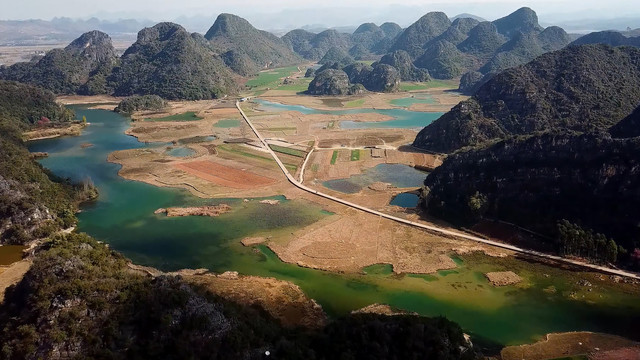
224 175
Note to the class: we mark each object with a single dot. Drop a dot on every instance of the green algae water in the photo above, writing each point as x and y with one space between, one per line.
398 175
123 217
402 119
10 254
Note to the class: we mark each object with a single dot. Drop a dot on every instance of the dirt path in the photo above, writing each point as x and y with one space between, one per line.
436 229
12 275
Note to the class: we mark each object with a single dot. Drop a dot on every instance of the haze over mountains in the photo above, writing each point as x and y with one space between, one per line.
432 47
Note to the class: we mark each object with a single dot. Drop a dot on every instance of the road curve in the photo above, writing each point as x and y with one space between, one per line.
436 229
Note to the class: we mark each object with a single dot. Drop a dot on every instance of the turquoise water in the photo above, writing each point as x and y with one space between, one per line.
416 99
402 118
402 176
405 200
181 152
123 217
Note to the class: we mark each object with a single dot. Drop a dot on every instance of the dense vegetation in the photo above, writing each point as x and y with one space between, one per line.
401 60
138 103
246 49
613 38
539 180
169 62
368 41
81 67
574 240
80 300
354 79
599 92
33 203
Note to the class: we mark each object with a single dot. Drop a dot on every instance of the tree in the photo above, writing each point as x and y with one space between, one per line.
612 251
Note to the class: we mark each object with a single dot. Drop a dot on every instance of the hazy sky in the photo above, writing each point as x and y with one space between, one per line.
296 12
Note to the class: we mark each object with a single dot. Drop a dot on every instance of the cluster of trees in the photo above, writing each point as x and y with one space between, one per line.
574 240
138 102
33 202
80 300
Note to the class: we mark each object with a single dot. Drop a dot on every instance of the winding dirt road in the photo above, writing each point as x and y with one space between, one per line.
432 228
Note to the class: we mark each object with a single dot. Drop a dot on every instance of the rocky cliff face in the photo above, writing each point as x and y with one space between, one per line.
536 181
579 88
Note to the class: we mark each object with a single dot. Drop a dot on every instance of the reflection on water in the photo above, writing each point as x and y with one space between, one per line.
123 217
398 175
401 118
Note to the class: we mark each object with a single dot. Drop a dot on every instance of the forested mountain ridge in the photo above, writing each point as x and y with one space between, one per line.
538 181
81 67
168 61
236 38
582 88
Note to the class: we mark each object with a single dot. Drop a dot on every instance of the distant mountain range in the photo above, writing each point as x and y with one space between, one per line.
33 32
168 61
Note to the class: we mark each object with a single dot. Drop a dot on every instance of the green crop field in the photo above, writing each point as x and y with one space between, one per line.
271 78
355 155
298 85
288 151
413 86
334 157
227 123
188 116
354 103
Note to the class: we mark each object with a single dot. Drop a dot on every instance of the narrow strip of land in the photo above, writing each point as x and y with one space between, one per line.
425 226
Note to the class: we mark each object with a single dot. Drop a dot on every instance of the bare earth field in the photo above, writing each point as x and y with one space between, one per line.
352 240
282 299
10 275
556 346
225 176
344 242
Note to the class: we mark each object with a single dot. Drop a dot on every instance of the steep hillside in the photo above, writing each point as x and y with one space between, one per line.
613 38
536 181
334 55
525 47
523 20
421 32
401 60
443 60
33 204
81 67
315 46
355 79
628 127
579 88
168 61
265 50
483 41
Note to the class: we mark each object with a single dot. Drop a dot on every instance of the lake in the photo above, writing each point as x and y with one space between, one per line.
123 217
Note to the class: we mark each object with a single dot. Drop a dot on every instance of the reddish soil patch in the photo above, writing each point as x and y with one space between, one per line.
224 175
